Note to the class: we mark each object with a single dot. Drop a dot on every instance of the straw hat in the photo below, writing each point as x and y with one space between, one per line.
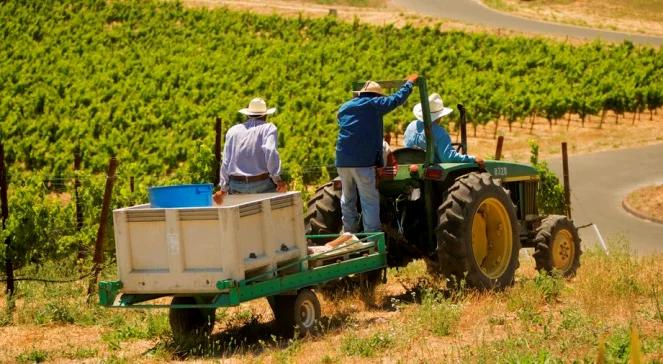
372 87
437 109
257 107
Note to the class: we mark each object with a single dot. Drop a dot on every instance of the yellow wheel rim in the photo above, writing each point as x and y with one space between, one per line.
491 238
563 250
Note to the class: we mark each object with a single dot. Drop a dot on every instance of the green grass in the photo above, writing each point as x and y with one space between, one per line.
436 315
32 356
499 5
367 346
82 353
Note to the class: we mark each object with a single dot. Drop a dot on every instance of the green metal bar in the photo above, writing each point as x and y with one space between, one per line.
430 158
428 123
132 299
300 280
108 291
364 238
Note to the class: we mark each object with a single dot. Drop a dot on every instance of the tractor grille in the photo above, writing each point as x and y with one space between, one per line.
529 194
523 195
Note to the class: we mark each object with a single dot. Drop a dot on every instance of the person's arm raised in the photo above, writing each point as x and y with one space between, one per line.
386 104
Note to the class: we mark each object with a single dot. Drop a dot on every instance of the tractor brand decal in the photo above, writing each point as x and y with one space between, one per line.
500 171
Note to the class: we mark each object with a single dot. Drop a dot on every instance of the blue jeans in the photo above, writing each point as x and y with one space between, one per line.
361 179
263 186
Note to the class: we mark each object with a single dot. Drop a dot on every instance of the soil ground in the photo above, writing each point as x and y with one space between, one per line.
647 202
638 16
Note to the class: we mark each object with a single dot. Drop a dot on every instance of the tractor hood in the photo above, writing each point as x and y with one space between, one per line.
394 180
505 171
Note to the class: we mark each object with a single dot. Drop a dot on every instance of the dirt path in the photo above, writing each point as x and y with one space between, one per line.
472 11
599 184
391 14
468 15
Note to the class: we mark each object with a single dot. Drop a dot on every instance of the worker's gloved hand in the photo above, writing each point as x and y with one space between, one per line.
480 162
219 196
281 187
413 78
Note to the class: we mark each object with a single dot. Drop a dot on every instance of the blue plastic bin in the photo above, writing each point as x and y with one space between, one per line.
199 195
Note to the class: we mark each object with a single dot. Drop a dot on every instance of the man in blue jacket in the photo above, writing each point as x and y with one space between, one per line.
359 151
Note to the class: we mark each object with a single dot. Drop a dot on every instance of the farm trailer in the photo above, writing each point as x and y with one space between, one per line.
253 246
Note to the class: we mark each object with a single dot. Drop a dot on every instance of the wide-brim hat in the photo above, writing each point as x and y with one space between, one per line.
437 108
371 87
257 107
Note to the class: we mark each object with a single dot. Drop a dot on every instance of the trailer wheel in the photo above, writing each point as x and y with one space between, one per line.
558 246
477 234
189 325
297 314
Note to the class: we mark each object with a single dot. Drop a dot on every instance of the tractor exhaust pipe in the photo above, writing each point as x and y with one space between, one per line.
463 128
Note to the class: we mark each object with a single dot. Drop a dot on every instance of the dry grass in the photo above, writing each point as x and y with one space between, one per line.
647 201
639 16
412 319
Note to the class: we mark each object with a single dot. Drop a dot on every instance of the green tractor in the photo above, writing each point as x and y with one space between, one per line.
467 223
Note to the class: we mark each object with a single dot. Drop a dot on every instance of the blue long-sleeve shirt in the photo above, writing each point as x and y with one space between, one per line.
359 142
415 137
250 150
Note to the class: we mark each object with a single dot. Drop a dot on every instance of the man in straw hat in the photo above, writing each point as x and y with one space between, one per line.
359 151
415 137
251 163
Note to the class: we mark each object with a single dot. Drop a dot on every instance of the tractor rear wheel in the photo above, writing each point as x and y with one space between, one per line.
558 246
478 233
324 211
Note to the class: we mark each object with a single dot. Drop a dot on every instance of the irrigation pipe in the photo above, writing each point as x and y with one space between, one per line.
598 234
68 280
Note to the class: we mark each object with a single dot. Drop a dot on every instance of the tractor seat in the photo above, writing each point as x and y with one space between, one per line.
410 155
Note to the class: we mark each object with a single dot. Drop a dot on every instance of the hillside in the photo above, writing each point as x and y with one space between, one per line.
144 81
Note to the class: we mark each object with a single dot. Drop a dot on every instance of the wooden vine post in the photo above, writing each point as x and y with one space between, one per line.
498 150
567 186
217 151
101 232
9 266
82 251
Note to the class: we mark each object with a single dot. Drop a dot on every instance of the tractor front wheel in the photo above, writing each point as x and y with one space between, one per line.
557 246
478 233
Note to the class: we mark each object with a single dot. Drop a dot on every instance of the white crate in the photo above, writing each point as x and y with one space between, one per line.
187 250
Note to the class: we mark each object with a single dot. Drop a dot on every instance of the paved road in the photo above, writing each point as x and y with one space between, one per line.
599 183
472 11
